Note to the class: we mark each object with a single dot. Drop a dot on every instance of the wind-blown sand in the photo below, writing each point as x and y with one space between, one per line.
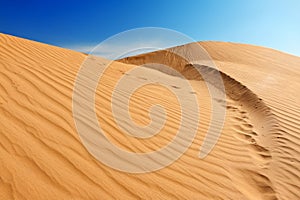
42 157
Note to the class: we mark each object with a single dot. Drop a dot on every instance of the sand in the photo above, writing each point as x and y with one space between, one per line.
256 157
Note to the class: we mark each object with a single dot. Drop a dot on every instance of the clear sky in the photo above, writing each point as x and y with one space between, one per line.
81 24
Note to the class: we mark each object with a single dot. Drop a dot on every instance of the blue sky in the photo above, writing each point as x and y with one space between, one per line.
82 24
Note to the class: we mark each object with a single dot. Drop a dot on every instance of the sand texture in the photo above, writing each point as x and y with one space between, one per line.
256 157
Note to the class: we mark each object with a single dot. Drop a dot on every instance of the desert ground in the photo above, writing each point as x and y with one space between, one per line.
256 157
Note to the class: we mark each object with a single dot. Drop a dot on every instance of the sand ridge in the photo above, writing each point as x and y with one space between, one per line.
42 157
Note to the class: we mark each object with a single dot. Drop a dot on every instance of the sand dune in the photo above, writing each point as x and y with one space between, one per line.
256 157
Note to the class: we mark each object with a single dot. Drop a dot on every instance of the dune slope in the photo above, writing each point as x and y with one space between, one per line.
42 157
266 83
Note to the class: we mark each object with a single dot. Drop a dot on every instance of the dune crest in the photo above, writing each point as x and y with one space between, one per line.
256 156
